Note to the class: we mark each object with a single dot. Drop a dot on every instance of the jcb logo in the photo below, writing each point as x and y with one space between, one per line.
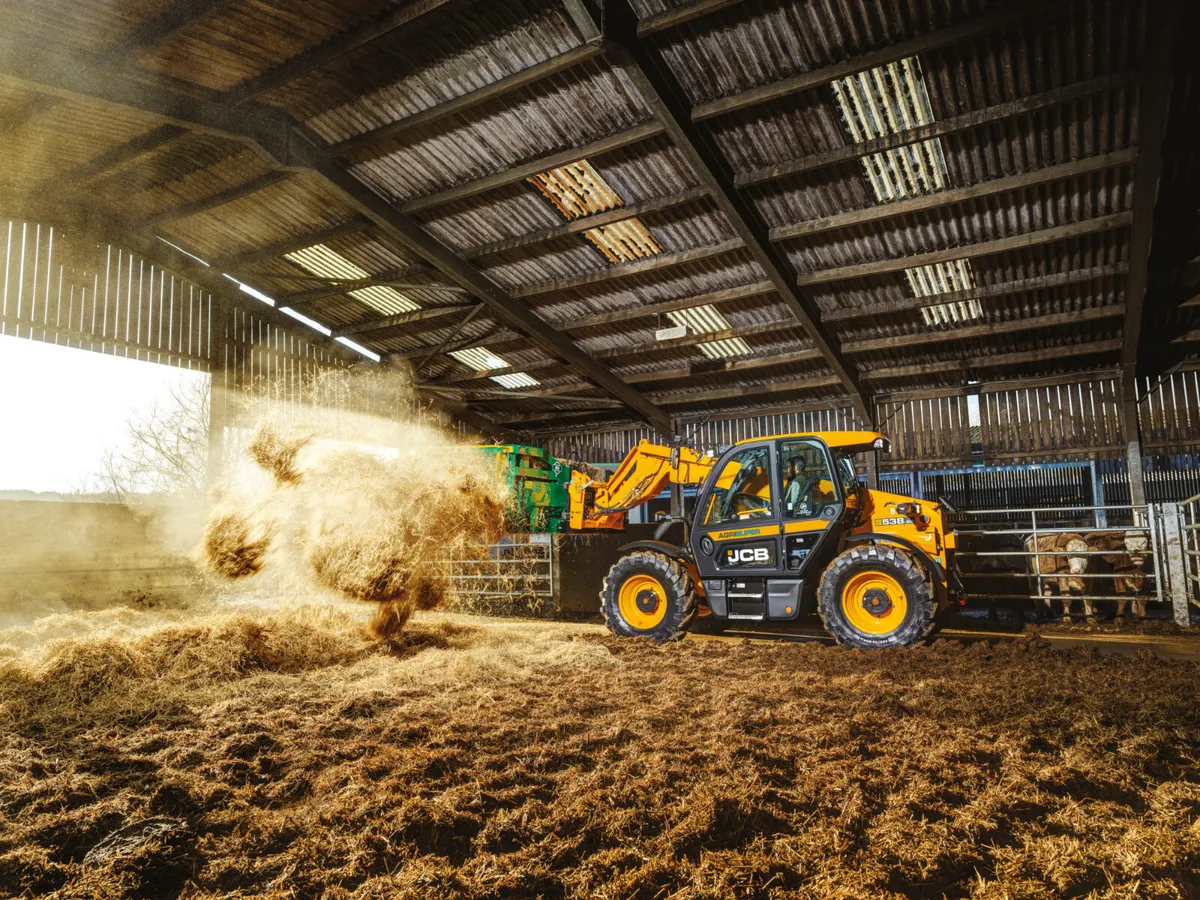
749 555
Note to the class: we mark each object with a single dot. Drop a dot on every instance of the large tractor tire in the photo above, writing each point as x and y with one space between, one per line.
876 596
648 594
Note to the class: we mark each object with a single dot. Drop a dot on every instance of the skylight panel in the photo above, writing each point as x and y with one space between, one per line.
323 262
515 380
945 278
482 360
888 100
705 318
625 241
726 349
479 359
577 190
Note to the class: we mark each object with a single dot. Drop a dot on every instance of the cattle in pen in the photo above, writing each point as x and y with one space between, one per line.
1125 553
1061 559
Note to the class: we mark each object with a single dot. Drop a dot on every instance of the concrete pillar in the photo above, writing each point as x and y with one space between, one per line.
872 467
1133 453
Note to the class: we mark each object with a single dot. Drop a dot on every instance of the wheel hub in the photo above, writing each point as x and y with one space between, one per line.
877 602
646 600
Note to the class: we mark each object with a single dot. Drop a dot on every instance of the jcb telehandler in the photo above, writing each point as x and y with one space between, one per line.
774 518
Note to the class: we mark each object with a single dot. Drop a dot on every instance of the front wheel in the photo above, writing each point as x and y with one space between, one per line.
648 594
876 596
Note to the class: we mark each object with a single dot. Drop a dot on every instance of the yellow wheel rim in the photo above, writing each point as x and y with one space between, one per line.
874 602
642 602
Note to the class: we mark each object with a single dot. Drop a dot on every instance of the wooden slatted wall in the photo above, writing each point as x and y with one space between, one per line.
1066 421
1169 413
925 431
97 297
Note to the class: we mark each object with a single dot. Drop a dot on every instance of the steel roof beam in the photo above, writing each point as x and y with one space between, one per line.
964 122
247 90
292 244
1153 110
706 337
675 398
460 377
934 40
597 220
420 315
118 156
639 267
680 15
334 288
522 171
176 18
1022 285
969 251
206 204
726 295
463 102
336 47
662 93
939 199
1000 359
987 329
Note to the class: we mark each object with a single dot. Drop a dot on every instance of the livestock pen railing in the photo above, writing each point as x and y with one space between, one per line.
1070 552
1189 541
1095 554
517 573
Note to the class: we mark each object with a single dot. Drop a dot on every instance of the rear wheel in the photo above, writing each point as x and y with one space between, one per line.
876 596
648 594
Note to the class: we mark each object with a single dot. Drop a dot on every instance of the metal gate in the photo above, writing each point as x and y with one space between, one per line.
514 570
1183 556
1092 554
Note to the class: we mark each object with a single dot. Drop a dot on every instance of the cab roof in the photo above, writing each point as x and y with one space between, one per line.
863 440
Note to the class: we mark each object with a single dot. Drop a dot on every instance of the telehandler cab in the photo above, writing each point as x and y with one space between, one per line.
775 518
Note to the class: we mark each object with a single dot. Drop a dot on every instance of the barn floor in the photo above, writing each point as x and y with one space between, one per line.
285 756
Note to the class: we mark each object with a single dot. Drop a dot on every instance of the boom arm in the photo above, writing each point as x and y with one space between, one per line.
642 475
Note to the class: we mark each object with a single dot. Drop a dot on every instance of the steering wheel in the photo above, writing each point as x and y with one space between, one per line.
755 507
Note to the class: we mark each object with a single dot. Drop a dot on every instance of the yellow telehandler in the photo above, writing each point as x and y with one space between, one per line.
773 516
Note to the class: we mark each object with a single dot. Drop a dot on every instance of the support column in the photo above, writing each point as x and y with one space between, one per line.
872 466
1178 589
218 412
1133 453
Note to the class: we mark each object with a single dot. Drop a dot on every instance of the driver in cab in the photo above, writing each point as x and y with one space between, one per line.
797 496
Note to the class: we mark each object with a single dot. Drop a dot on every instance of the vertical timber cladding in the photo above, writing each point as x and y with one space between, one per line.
78 293
1169 413
1074 418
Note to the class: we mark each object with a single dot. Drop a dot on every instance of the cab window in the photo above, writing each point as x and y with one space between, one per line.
742 490
849 476
807 483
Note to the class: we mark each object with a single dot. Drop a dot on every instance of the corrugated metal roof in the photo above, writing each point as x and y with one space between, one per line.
465 45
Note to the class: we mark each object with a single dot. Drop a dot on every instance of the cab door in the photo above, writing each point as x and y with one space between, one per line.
737 519
811 503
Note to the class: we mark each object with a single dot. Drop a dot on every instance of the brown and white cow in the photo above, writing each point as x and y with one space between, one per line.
1064 557
1125 553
